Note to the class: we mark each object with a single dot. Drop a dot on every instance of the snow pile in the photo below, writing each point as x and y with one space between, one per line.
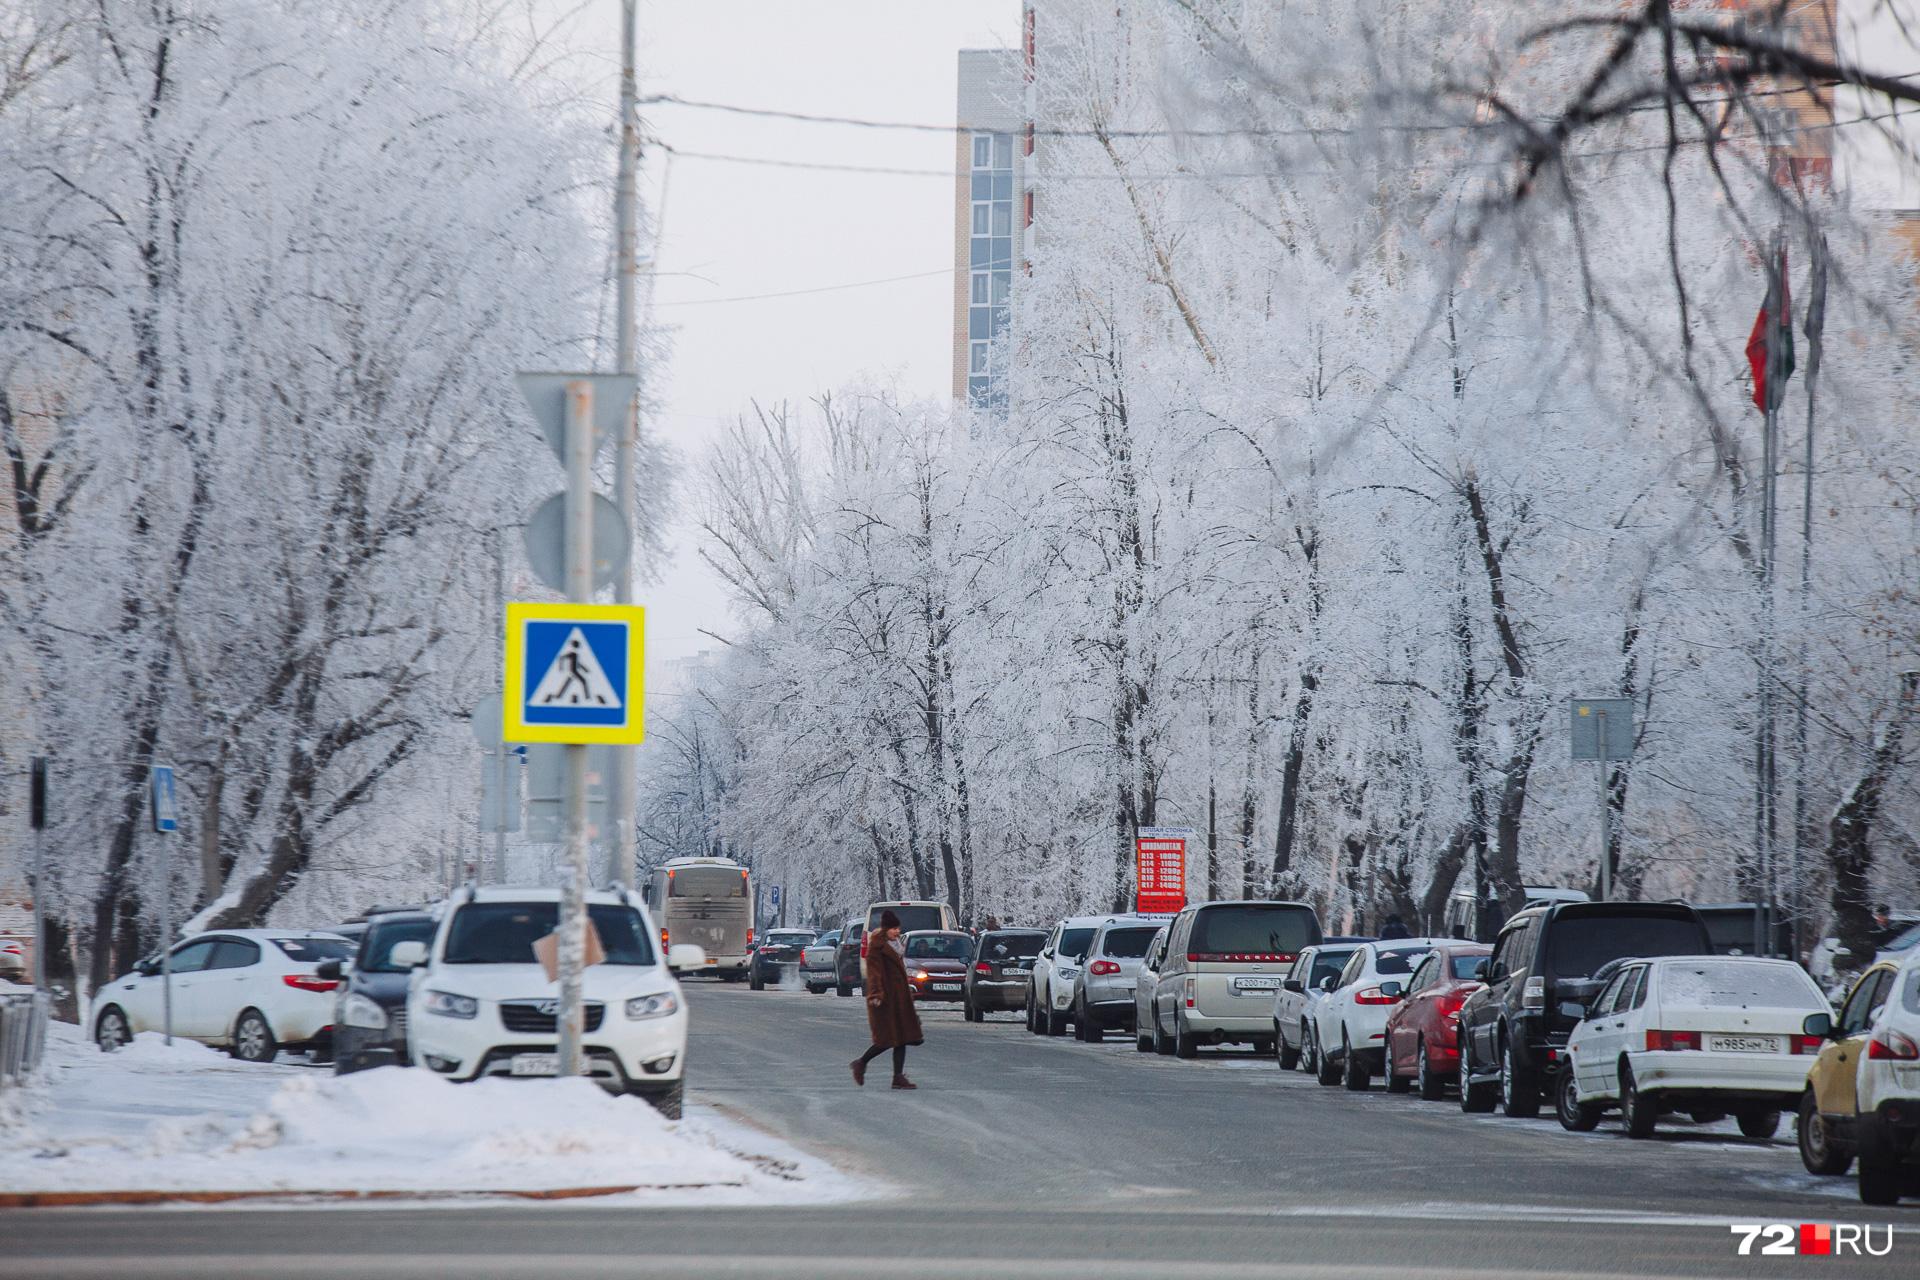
187 1118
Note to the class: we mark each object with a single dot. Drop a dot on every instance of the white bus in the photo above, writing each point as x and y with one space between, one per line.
707 902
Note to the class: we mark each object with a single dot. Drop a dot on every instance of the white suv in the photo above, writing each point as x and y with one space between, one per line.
480 1004
1050 990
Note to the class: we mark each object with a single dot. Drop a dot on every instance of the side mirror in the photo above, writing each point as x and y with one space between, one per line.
1481 970
1391 989
147 968
327 969
1326 983
1292 984
410 954
686 955
1573 1009
1818 1024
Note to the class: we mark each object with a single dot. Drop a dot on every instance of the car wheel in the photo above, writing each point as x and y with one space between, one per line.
1056 1022
1353 1073
755 982
1142 1040
1162 1042
1474 1097
1432 1087
1396 1083
1879 1179
111 1030
1763 1123
1309 1052
1519 1095
1575 1116
253 1039
1818 1151
842 989
1089 1030
1641 1111
672 1101
1184 1045
1325 1069
1284 1054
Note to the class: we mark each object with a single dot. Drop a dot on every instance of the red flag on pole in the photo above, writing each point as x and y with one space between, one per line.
1775 319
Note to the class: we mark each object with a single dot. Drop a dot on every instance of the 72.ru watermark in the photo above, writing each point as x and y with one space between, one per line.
1788 1240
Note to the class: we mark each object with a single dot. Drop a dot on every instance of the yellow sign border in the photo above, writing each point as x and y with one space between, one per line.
521 612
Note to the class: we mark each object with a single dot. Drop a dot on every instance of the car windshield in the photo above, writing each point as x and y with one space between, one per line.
1579 944
1328 964
1074 943
1128 944
1463 966
1011 946
1720 984
939 946
706 882
1399 961
912 919
1253 929
314 950
504 933
376 949
789 938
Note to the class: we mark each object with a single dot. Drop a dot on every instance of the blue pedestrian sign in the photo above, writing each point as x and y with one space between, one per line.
166 809
574 673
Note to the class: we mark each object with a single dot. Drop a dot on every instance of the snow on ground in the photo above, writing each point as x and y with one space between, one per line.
154 1117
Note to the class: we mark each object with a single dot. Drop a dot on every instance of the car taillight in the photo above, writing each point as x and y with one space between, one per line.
1671 1041
307 982
1534 994
1189 993
1809 1044
1449 1006
749 936
1102 968
1890 1046
863 944
983 967
1371 995
663 939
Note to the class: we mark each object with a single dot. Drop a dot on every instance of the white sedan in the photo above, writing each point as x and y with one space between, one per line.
251 991
1350 1024
1708 1035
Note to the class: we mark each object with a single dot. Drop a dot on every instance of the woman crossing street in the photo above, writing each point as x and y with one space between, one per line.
891 1018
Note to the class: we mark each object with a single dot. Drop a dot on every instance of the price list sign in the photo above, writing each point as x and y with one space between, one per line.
1160 869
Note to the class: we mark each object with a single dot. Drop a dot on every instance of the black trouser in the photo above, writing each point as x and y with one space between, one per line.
899 1057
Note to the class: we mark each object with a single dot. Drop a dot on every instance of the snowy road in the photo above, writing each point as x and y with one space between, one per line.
1028 1157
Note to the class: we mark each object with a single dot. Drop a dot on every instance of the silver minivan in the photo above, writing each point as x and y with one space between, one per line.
1103 992
1222 970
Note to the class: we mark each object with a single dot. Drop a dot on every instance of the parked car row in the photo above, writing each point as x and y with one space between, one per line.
458 988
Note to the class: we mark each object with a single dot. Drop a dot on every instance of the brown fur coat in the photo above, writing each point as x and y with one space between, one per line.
893 1021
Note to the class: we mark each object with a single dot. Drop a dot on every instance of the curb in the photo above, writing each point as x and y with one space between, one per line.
73 1199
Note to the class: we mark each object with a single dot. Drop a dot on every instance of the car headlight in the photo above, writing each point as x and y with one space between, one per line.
1068 973
358 1011
658 1006
448 1005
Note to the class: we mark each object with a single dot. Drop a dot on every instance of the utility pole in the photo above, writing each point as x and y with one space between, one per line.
572 926
37 815
501 755
625 797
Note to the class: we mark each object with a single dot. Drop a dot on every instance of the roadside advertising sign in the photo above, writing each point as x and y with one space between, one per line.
1160 869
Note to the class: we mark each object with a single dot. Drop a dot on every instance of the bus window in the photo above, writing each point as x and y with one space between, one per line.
707 882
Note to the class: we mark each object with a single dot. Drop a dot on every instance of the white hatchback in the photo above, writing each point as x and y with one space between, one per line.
479 1002
1708 1035
1350 1024
251 991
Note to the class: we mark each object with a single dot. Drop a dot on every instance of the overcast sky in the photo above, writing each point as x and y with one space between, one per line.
732 230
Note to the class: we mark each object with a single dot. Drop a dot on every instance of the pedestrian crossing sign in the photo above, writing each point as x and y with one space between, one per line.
574 673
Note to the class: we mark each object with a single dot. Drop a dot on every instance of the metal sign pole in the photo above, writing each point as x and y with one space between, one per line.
37 815
499 875
572 924
624 797
1606 868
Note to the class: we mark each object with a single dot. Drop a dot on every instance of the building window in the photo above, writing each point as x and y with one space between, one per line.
982 218
979 323
982 252
980 289
1002 151
977 391
1002 219
977 356
983 151
1001 281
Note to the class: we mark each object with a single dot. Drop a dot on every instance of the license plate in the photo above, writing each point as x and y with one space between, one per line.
946 986
534 1064
1744 1044
1256 984
1016 973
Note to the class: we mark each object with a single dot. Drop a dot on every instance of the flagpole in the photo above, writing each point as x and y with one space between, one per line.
1775 391
1816 331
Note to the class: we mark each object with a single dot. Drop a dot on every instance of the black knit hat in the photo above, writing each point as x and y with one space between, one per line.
888 920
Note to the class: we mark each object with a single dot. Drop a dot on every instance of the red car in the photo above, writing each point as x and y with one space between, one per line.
1422 1048
937 961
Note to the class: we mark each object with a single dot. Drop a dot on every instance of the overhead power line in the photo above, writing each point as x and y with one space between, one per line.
796 293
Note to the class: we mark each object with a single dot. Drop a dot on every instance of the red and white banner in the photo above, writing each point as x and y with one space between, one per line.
1160 869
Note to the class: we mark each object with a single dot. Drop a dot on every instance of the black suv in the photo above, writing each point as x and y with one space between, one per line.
1513 1032
370 1006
